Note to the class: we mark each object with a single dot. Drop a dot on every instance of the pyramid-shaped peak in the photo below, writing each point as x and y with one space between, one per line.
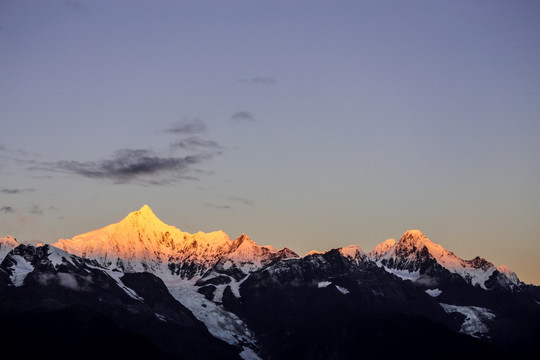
243 240
144 211
143 218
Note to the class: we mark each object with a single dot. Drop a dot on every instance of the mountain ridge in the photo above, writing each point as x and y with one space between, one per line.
238 288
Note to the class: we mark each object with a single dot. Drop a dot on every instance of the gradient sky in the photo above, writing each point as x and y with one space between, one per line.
306 124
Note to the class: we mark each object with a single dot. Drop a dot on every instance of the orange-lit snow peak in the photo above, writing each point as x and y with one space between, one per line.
509 273
7 244
141 235
413 236
382 248
314 252
9 240
351 251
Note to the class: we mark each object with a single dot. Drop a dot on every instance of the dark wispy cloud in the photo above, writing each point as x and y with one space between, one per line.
138 166
36 210
16 191
241 200
259 80
192 143
7 209
242 116
214 206
188 127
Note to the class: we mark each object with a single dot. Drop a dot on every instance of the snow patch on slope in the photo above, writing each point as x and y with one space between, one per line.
404 274
475 318
434 292
249 354
58 257
323 284
116 275
342 290
20 269
220 323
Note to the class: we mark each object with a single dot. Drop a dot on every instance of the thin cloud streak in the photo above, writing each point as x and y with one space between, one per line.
16 191
214 206
194 143
241 200
194 126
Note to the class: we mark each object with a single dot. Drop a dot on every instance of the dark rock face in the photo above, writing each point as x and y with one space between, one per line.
82 303
324 307
321 306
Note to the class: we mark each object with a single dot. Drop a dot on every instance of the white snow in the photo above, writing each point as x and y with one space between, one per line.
220 323
323 284
249 354
161 317
58 256
434 292
475 317
235 286
115 275
20 269
342 290
404 274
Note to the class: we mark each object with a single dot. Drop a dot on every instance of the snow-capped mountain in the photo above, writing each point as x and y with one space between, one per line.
142 242
264 303
414 255
59 300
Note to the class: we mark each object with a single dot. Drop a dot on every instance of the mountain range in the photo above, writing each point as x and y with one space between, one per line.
140 287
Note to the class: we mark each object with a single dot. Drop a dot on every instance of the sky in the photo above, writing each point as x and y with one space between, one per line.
304 124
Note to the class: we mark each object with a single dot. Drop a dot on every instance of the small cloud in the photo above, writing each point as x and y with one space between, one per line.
16 191
426 280
194 143
36 210
241 116
263 80
3 148
7 209
69 281
194 126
